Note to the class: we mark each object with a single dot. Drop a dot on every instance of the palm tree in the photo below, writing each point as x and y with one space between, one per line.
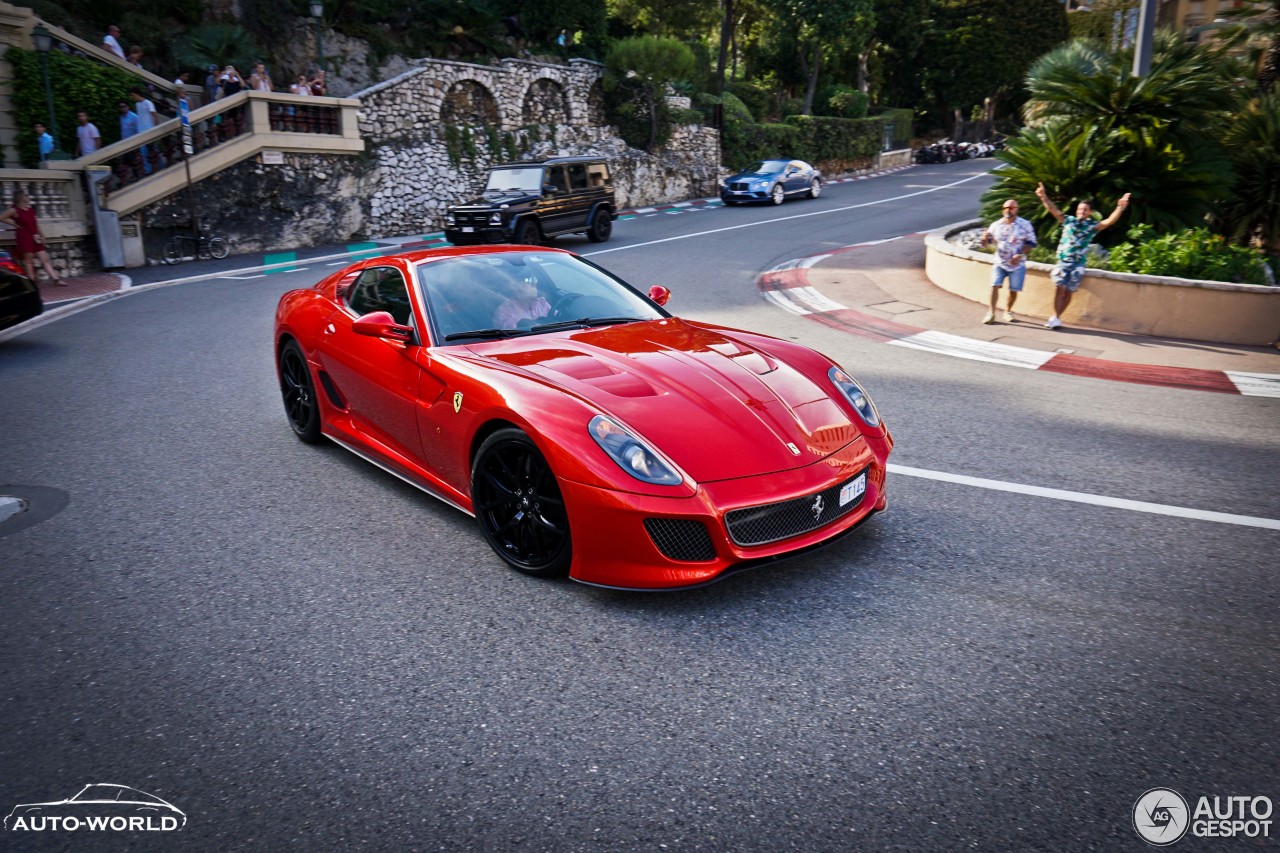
1253 211
217 44
1257 31
1186 92
1097 132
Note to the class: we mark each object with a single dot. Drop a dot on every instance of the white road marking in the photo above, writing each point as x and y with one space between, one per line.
812 300
782 300
975 350
782 218
1086 498
1255 384
247 277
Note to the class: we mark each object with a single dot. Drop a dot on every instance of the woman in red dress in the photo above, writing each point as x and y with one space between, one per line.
30 242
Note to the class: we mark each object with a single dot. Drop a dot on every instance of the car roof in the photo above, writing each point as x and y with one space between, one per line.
470 251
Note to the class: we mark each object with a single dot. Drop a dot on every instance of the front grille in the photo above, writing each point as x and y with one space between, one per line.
739 186
682 539
472 218
759 525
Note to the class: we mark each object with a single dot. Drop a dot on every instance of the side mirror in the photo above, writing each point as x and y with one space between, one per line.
380 324
659 294
550 188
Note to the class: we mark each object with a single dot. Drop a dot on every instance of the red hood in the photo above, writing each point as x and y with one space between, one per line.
717 407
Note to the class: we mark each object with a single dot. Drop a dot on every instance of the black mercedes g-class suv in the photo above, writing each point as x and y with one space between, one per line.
530 201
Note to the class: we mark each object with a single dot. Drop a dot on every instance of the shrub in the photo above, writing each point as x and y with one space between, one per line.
1194 253
846 102
753 96
97 89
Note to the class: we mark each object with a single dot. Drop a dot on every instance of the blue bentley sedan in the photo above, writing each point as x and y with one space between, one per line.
772 180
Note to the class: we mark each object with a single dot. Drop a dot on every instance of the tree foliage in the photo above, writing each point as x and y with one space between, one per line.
1253 142
643 66
821 31
77 84
983 48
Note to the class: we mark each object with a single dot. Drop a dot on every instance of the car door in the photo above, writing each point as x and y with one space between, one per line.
797 177
554 207
579 196
378 379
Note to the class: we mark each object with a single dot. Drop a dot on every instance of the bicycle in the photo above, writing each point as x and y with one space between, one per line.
175 251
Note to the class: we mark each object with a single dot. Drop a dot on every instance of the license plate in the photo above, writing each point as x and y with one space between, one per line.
852 489
467 229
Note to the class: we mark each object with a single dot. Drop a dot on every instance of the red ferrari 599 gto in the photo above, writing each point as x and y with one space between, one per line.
585 428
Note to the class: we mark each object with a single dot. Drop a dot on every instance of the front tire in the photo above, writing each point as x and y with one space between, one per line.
601 227
528 233
815 188
172 252
299 393
518 505
777 195
218 248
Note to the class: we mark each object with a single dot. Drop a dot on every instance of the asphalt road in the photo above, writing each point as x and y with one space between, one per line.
301 652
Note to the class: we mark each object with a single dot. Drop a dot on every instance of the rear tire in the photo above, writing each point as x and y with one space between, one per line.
815 188
218 248
518 505
172 252
601 226
528 233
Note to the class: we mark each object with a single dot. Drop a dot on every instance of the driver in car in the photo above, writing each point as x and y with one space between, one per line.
522 306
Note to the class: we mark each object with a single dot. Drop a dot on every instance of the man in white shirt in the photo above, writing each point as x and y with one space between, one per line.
146 120
111 41
1014 237
87 133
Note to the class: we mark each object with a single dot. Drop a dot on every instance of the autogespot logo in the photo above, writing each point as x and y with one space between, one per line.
98 808
1160 816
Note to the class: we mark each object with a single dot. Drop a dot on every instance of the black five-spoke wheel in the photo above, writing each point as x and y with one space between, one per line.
518 505
299 394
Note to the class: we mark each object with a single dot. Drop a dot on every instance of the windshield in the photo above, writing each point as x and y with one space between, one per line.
508 180
766 167
507 294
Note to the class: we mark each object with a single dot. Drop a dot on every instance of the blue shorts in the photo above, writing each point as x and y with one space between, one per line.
1068 276
1016 277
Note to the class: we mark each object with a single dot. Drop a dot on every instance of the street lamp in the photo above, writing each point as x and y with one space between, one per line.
44 42
317 12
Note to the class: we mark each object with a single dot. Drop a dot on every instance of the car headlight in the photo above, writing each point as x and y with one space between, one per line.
495 218
631 454
450 219
857 397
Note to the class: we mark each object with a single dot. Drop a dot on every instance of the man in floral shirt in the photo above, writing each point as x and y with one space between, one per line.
1013 236
1077 233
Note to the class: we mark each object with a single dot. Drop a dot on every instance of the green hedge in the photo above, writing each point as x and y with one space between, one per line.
837 144
97 89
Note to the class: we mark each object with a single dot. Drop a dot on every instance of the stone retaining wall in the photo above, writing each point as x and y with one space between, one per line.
434 131
1209 311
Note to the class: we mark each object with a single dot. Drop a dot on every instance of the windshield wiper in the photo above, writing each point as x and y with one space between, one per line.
586 323
486 333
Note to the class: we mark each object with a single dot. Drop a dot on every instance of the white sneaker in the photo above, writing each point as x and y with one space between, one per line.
990 318
1053 323
1008 316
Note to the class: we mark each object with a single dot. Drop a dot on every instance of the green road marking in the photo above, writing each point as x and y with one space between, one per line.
279 258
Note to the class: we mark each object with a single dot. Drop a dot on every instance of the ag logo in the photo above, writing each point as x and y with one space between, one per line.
817 508
457 401
1161 817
